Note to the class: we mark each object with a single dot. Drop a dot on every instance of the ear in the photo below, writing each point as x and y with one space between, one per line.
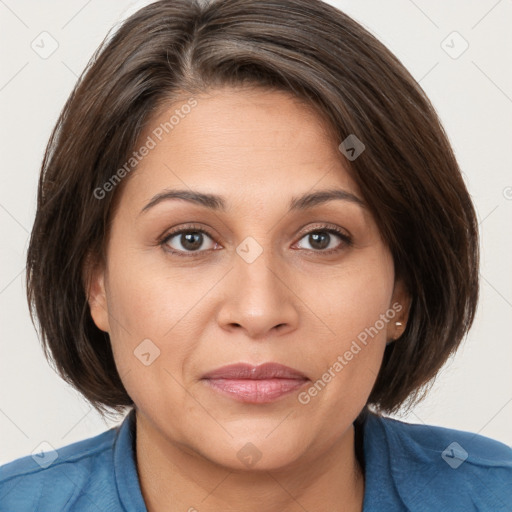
94 283
401 304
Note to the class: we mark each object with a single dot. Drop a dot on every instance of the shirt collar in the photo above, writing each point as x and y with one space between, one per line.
127 480
407 468
381 492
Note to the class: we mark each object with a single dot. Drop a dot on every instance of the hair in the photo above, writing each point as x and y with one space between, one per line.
408 174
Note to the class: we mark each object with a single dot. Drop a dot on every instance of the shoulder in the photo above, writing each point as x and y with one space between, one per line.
481 450
440 467
54 479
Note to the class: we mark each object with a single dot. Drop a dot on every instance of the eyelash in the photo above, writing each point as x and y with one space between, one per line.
326 228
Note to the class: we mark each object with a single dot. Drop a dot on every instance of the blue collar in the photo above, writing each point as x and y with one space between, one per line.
127 480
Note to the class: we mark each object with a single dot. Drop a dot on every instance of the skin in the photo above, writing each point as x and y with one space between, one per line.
293 305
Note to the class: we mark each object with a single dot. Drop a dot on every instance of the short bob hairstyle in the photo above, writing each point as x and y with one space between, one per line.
174 49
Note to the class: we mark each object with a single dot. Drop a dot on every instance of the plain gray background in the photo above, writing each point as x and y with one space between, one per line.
471 90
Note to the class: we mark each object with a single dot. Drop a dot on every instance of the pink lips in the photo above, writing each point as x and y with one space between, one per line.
255 384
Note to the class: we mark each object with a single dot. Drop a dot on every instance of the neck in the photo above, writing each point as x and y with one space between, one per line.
174 478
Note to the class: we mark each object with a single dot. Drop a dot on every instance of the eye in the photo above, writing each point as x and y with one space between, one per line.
324 240
188 240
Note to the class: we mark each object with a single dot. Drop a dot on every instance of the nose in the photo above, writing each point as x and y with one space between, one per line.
258 299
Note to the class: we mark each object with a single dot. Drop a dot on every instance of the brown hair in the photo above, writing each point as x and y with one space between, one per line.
407 174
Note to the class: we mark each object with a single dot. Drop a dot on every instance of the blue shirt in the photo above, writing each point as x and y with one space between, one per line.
407 467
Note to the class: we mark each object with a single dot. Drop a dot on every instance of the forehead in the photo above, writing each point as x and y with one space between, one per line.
250 144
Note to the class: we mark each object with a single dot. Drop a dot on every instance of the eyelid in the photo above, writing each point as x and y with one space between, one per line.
323 226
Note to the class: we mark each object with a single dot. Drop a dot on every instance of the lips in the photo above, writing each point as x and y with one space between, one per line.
247 371
255 384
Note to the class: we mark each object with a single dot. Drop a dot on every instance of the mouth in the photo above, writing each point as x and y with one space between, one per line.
255 384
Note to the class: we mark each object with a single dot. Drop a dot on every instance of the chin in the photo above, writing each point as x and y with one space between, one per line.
257 452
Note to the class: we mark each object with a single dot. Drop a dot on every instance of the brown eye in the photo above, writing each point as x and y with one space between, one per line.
325 240
319 240
188 241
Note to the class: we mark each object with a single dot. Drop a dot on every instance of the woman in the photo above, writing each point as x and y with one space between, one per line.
253 235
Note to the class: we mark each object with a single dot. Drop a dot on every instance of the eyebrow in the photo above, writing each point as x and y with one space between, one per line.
218 203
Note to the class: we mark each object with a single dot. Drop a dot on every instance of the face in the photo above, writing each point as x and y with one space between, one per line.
252 276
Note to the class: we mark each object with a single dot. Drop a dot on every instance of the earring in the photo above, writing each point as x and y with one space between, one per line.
398 324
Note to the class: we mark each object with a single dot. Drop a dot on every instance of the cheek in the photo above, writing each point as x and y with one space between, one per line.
145 295
148 341
350 298
355 311
156 309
